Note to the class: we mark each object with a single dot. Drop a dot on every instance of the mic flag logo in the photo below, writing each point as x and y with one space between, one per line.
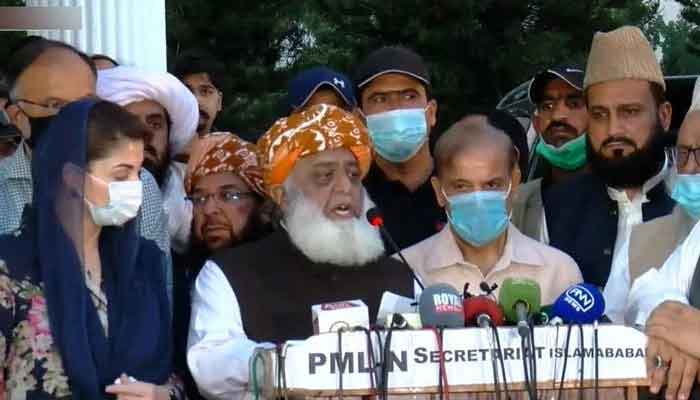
580 298
447 303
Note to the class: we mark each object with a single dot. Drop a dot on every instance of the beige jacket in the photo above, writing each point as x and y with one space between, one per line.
438 259
652 242
528 211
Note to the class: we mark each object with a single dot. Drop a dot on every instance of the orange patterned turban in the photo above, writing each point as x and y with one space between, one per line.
318 128
223 152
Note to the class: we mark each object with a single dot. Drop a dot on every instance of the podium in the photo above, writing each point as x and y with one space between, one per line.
321 365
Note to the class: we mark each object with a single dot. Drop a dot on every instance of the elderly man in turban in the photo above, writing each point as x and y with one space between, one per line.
171 113
313 164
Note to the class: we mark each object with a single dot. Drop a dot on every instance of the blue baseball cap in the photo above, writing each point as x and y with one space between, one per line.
307 82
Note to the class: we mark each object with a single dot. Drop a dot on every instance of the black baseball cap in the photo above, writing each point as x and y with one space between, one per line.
569 73
391 59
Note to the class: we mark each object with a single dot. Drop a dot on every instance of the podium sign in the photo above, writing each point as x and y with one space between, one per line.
315 365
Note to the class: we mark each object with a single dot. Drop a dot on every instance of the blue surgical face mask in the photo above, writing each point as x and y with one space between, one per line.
685 190
398 135
478 217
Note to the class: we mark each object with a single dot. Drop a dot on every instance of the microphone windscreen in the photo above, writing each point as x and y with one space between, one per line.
440 305
374 217
477 305
582 303
515 290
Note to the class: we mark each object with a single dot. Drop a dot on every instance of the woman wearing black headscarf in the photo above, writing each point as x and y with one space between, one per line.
83 302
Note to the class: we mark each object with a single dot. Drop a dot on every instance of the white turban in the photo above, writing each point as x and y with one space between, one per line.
124 85
695 102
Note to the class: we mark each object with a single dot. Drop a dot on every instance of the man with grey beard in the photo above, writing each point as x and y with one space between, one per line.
313 165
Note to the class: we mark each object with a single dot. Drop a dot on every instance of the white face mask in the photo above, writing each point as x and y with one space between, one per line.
125 199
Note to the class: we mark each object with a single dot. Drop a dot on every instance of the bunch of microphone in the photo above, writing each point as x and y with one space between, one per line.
518 304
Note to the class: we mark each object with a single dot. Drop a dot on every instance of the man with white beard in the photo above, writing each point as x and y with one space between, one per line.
313 165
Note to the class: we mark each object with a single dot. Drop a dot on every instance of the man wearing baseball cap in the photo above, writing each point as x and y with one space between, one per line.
561 120
321 85
394 94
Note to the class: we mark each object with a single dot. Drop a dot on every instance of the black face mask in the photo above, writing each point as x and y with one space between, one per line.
39 125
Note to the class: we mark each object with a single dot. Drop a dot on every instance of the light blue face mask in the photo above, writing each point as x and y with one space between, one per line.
478 217
397 135
686 192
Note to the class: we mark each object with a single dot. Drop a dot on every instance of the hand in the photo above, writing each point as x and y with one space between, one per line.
126 390
678 374
677 324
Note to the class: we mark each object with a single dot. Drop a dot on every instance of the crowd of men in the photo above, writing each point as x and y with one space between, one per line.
256 233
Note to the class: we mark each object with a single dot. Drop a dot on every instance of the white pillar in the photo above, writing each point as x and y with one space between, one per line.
130 31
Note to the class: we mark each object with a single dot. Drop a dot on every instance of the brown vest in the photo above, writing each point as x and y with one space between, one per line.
276 285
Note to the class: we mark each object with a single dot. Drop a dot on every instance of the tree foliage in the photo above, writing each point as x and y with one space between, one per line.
477 49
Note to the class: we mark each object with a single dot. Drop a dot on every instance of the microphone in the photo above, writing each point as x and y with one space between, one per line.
520 298
582 303
375 218
440 306
345 315
479 310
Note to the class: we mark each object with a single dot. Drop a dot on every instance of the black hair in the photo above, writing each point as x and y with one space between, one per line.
108 124
96 57
30 49
198 62
510 125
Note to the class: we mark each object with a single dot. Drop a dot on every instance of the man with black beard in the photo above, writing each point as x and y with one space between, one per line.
591 216
169 110
313 165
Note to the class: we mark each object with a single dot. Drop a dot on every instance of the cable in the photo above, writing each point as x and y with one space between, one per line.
583 358
595 349
526 374
566 357
371 358
533 359
500 358
494 362
256 385
341 364
443 385
556 361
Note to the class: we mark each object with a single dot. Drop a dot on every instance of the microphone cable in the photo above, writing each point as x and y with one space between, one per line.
595 349
443 385
494 362
526 374
341 363
556 360
371 358
583 359
566 358
282 389
500 358
533 357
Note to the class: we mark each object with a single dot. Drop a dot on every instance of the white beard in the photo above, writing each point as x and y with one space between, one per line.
347 243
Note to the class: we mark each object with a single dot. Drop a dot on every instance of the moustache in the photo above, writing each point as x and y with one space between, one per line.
561 125
203 114
620 139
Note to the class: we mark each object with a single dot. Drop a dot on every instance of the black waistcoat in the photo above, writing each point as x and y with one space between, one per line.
276 285
582 222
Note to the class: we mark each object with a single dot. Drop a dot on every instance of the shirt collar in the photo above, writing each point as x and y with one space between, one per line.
619 195
18 164
445 253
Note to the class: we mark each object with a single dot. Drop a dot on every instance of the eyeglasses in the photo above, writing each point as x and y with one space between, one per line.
682 155
223 197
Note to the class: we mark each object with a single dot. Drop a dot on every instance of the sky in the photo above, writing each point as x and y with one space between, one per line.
670 9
